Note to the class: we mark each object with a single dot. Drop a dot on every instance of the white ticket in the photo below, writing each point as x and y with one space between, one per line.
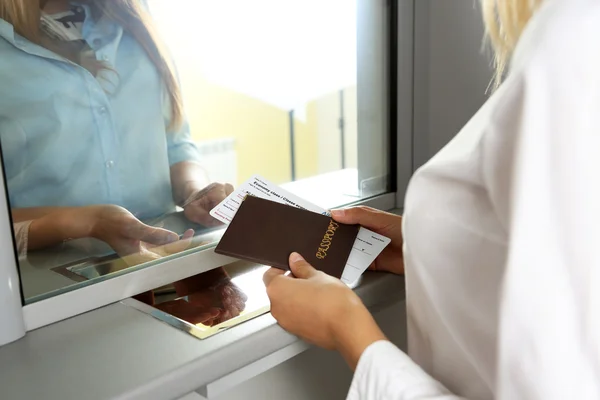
365 250
367 245
259 187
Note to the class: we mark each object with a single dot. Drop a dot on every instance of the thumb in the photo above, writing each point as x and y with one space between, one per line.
152 235
300 268
368 217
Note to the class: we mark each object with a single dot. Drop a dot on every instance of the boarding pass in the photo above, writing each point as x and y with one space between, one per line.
367 245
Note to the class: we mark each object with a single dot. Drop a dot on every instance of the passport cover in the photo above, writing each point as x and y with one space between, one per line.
267 232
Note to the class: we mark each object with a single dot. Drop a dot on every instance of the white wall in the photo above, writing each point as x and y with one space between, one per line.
451 71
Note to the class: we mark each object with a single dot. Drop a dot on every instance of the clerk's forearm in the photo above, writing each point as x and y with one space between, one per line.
187 177
28 214
57 226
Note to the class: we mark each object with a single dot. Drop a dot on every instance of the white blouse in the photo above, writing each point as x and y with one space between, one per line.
502 236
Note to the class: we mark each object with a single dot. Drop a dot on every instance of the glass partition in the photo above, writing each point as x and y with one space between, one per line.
123 123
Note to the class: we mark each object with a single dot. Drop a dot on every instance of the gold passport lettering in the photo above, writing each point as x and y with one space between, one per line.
326 241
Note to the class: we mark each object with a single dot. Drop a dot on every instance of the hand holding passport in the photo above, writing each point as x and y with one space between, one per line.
267 224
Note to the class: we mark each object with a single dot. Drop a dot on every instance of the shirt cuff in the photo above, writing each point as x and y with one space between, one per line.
22 238
385 372
380 354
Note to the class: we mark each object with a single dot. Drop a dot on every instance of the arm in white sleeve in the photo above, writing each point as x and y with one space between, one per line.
385 372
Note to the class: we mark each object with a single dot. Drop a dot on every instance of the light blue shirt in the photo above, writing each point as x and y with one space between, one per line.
70 139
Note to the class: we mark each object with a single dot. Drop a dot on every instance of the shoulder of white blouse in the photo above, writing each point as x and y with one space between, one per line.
560 33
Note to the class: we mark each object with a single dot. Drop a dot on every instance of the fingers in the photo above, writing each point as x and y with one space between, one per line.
271 274
188 234
140 256
192 313
300 268
218 193
198 210
152 235
195 212
206 318
368 217
176 247
215 194
233 306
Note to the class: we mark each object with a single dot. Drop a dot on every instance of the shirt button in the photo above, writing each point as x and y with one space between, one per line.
102 110
105 57
110 164
97 42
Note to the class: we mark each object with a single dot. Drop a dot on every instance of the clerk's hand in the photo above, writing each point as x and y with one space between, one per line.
131 239
197 208
389 225
320 309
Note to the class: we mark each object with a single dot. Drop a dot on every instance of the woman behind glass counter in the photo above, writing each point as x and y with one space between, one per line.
91 113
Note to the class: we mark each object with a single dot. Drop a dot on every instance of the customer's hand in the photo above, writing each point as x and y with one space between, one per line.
133 240
320 309
199 312
232 301
197 210
227 298
216 288
386 224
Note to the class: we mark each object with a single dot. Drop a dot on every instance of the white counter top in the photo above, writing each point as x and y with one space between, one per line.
119 352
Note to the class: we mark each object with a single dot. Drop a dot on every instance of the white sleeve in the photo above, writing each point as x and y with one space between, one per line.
542 167
385 372
21 230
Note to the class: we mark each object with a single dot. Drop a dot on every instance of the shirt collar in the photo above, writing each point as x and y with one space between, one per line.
105 29
7 31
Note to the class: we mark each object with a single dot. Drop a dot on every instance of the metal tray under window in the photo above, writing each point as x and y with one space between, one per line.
243 286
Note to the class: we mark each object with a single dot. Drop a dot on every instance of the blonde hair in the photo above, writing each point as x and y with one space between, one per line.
24 16
505 20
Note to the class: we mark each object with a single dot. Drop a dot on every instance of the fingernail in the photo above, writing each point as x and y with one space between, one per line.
338 213
171 237
295 257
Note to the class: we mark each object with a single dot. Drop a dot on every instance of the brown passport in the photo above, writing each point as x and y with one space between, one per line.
267 232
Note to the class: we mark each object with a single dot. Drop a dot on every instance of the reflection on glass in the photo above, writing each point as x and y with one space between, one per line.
273 84
211 302
94 135
123 123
